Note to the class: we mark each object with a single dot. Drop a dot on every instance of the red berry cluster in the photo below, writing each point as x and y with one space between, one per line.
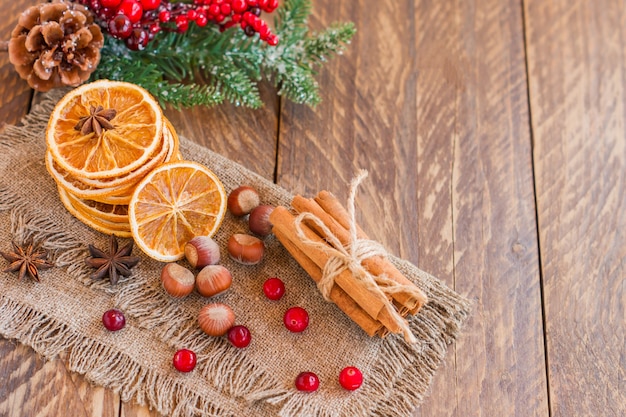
136 22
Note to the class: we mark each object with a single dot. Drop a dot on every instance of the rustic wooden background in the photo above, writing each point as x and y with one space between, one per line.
494 134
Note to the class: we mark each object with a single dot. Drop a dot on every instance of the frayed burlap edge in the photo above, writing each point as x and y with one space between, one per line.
395 371
106 367
100 364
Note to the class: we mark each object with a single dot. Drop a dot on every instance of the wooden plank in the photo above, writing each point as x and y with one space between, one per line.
243 135
577 78
473 126
33 387
14 92
433 103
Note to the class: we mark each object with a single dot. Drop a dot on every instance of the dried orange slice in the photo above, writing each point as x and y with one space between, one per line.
101 225
173 204
113 200
80 189
104 129
133 177
114 213
169 131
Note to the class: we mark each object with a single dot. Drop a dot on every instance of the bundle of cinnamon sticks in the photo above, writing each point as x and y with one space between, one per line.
376 310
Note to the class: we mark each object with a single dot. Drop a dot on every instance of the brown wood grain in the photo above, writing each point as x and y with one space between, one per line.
434 105
578 102
14 92
34 387
432 98
243 135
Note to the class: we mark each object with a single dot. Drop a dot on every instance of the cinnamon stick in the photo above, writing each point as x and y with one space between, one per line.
337 295
404 302
332 213
374 304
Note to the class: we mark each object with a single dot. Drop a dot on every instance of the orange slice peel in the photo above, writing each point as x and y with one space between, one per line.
172 204
137 130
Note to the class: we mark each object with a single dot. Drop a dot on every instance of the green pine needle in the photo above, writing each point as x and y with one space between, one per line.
205 67
329 42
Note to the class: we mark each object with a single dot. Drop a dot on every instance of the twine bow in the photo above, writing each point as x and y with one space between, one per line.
351 256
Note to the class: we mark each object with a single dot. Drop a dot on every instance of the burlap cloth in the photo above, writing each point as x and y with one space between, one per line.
63 312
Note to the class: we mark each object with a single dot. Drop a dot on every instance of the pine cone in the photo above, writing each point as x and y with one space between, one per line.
55 44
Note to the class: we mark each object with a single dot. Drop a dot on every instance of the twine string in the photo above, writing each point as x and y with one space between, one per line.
351 256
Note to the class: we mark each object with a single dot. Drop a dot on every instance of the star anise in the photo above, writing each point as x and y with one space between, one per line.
27 259
99 118
114 263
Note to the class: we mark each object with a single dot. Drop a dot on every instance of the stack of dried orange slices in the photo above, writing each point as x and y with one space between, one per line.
109 142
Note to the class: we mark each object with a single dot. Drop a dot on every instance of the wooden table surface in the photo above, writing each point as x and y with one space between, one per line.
494 132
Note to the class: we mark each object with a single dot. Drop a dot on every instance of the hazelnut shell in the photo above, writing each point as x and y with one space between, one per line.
213 280
177 280
216 319
246 249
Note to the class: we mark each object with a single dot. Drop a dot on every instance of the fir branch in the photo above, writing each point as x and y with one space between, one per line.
150 77
330 41
228 65
292 19
238 87
299 86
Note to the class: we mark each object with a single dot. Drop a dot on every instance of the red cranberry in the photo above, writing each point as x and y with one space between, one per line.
113 320
239 6
192 15
131 9
184 360
182 23
264 31
239 336
257 24
150 4
165 15
120 26
271 6
138 39
307 382
247 17
110 3
350 378
214 9
296 319
274 288
225 9
248 30
202 20
154 28
94 5
272 40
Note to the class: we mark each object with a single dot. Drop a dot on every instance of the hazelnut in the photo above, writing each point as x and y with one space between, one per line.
259 220
242 200
212 280
216 319
245 249
177 280
202 251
